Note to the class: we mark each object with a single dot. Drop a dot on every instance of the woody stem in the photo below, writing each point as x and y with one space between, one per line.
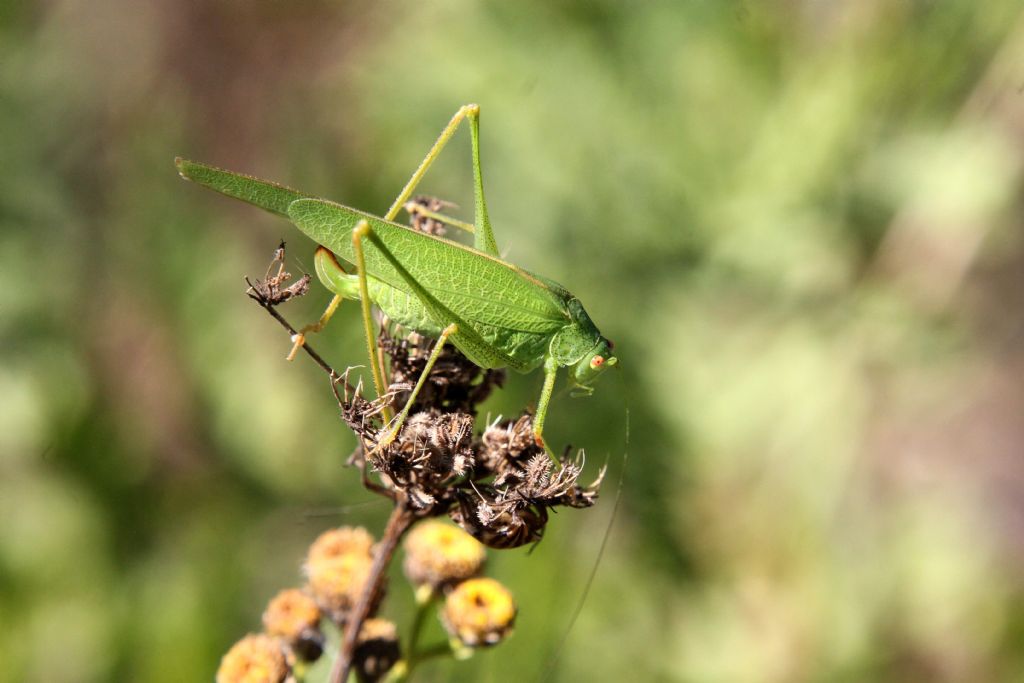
399 522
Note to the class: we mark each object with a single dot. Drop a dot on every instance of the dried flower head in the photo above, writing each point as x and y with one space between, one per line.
254 659
509 445
294 616
498 526
439 554
377 649
456 384
271 290
513 509
431 452
479 612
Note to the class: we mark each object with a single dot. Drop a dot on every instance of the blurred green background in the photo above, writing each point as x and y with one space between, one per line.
799 220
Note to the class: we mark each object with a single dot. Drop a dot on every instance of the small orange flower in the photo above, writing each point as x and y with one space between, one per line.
338 566
341 541
294 616
338 582
479 612
254 659
290 613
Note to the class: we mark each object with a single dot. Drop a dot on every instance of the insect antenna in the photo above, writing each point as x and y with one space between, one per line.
338 510
549 668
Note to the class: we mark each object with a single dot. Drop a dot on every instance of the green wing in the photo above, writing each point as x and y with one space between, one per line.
262 193
479 287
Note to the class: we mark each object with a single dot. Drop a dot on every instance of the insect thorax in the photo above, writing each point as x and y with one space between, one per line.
576 339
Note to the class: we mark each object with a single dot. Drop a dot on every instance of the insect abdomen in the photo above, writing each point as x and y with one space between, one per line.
526 348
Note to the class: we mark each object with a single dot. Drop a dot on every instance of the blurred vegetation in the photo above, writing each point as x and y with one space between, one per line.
799 220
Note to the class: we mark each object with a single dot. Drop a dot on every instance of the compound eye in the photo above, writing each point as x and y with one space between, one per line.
596 362
611 344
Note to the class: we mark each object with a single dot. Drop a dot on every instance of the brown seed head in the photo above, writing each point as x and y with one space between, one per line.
432 450
377 649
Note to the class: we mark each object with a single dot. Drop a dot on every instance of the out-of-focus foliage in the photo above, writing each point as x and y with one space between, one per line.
799 221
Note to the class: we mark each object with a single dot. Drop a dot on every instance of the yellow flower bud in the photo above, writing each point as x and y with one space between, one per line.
294 616
254 659
344 540
479 612
338 566
439 554
338 582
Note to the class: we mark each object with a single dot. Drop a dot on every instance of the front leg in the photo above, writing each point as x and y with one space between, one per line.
550 372
299 338
361 230
396 427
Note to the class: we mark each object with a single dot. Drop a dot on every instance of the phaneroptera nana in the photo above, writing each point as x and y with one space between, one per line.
497 314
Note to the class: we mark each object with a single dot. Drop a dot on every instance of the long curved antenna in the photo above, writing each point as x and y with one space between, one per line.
553 661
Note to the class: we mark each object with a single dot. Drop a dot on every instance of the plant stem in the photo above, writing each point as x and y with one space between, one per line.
425 597
401 519
269 308
424 602
435 650
403 670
